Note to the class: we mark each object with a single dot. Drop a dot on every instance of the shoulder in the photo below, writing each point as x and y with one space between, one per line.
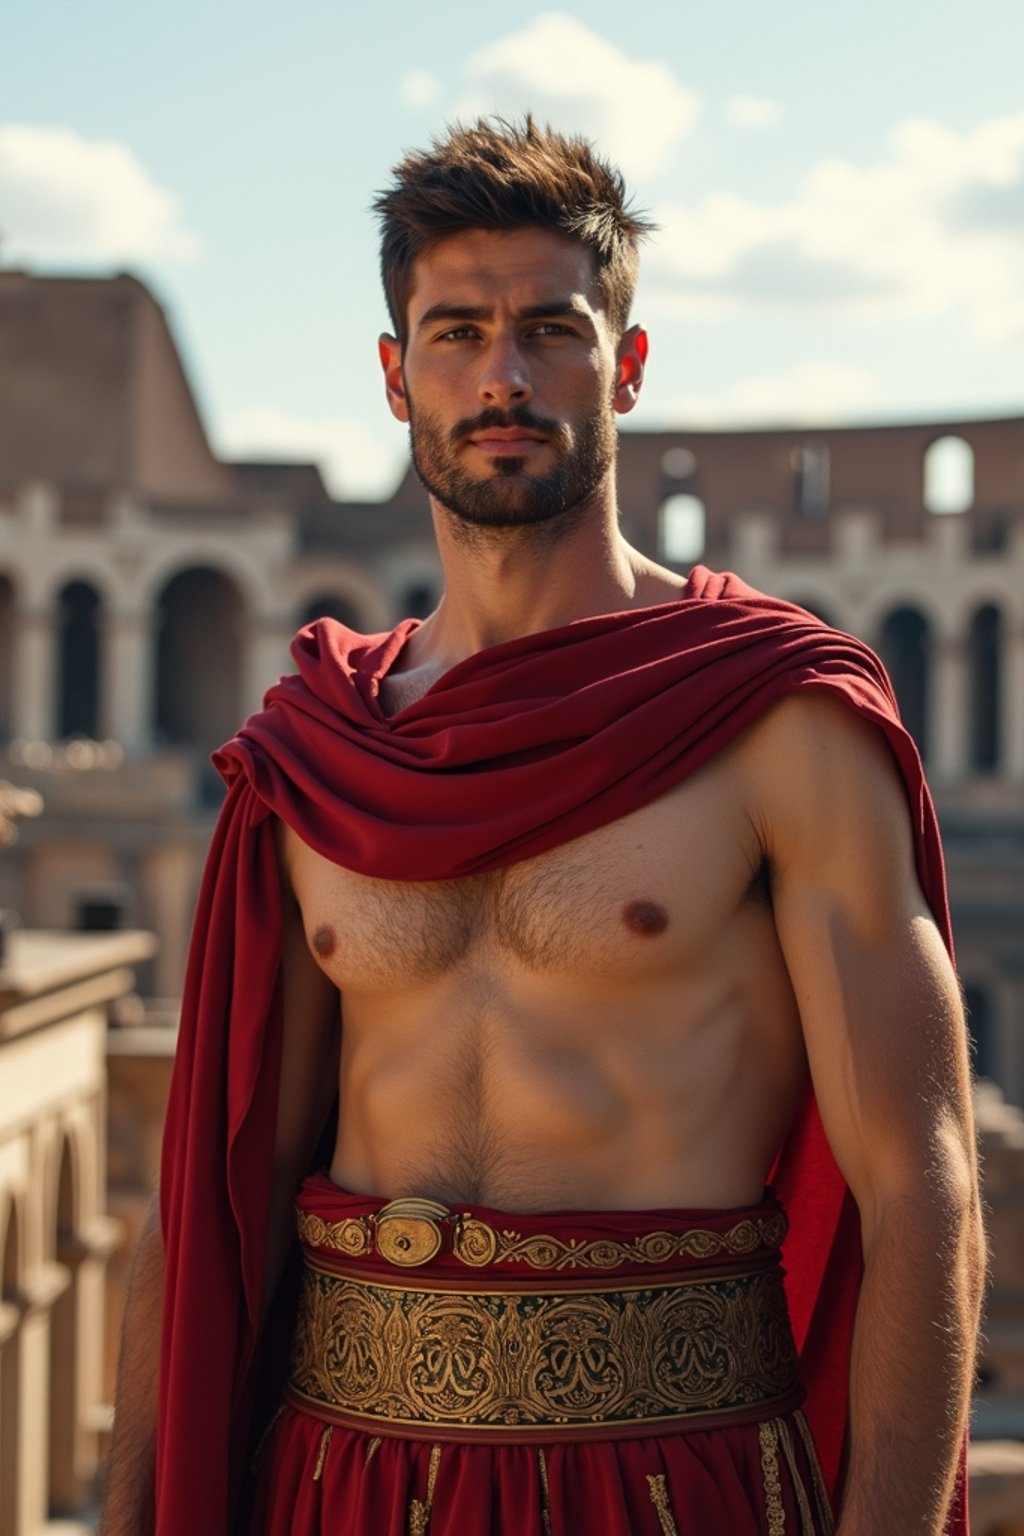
811 727
822 783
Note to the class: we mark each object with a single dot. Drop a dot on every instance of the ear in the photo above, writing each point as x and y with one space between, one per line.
389 349
631 355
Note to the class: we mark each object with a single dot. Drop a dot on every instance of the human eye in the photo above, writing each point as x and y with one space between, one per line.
457 333
553 328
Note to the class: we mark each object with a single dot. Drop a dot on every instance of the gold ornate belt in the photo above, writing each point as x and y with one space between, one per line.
412 1231
636 1357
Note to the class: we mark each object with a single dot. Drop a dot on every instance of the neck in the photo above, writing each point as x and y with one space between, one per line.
501 584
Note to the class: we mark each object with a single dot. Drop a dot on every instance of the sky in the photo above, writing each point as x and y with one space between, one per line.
839 193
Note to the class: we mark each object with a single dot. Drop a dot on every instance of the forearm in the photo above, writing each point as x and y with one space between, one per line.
912 1367
128 1498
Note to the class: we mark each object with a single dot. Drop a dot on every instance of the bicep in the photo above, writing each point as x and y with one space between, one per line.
878 999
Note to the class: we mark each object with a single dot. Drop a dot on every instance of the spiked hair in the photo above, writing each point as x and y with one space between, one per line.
502 175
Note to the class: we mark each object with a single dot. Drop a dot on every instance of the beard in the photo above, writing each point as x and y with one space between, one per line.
509 497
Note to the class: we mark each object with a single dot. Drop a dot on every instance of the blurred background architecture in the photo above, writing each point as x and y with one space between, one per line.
148 593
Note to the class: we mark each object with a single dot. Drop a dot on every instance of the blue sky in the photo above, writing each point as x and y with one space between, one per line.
841 195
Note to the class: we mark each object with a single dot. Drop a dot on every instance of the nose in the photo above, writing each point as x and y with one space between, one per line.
504 380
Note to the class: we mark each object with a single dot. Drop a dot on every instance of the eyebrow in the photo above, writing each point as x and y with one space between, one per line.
550 309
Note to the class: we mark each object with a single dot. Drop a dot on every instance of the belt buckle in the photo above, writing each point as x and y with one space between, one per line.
408 1230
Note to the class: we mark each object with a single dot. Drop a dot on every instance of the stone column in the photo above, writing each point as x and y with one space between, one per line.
35 672
264 656
129 676
1011 703
948 707
26 1354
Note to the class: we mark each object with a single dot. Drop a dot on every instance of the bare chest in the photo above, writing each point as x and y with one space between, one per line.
643 895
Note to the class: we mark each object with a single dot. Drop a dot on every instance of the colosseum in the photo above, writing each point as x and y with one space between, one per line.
148 594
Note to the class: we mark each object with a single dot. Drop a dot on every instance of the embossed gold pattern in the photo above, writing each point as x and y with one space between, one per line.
325 1440
768 1436
419 1509
545 1491
513 1360
476 1244
659 1498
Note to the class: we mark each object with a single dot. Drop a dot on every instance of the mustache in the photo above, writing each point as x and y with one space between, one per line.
520 416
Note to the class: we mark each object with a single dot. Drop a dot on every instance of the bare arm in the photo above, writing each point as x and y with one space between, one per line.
886 1044
128 1508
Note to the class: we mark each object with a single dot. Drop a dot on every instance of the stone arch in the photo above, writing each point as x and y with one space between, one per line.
905 648
78 659
236 563
981 1025
198 694
984 659
7 634
11 1288
948 475
330 605
347 589
682 529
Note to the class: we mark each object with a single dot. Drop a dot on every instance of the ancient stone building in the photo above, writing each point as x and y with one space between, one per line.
148 591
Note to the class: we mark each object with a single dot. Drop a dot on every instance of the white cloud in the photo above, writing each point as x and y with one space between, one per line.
564 73
355 463
70 199
419 88
935 228
810 393
752 112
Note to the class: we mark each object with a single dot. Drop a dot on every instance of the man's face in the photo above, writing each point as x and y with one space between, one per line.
508 378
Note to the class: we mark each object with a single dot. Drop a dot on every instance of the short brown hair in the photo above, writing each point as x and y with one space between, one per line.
505 175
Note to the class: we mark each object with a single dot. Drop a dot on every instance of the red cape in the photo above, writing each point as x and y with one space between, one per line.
513 751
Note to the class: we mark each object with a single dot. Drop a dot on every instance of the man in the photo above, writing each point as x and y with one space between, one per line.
609 868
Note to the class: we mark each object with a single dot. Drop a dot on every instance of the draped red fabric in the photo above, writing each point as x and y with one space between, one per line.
515 750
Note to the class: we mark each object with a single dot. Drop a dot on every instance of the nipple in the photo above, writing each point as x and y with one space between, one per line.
645 918
323 941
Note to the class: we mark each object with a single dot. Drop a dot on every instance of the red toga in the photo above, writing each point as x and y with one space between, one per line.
515 750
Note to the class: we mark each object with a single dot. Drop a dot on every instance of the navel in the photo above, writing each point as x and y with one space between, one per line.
323 941
645 918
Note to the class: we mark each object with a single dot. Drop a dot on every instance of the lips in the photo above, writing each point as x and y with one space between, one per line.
504 440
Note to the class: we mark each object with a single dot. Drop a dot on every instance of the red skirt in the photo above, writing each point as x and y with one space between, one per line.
577 1374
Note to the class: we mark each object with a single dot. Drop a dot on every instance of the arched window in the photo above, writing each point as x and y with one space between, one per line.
78 661
979 1023
328 605
682 529
904 647
198 660
6 659
984 645
949 475
811 481
418 599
